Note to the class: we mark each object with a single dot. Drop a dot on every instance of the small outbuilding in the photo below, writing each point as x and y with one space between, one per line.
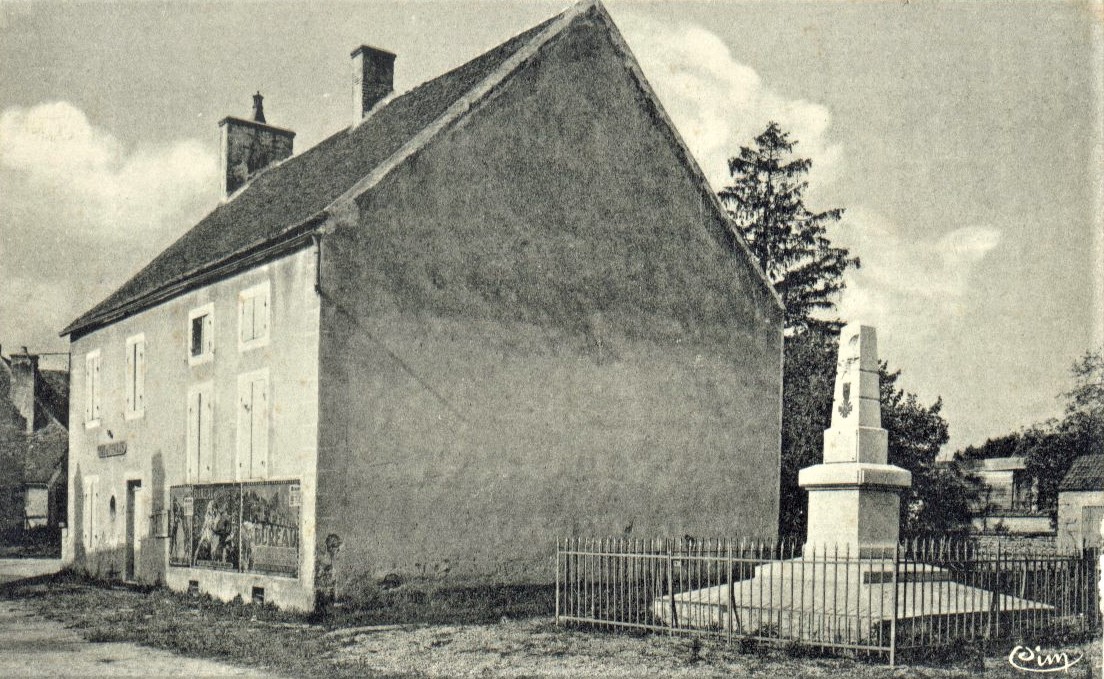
1081 504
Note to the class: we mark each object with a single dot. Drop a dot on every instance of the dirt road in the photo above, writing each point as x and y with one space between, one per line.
32 646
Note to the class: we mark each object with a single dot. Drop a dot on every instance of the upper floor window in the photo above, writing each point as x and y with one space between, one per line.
201 334
135 376
253 305
92 389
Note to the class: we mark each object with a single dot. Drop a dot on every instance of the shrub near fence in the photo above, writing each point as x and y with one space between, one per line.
922 595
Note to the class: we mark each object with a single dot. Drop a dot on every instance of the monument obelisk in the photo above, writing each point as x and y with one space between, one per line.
855 494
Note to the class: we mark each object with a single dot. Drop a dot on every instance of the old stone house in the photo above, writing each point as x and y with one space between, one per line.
1007 501
498 309
34 443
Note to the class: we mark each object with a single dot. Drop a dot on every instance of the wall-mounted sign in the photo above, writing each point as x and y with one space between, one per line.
113 449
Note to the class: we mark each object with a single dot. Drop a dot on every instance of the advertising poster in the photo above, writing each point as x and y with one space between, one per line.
270 528
180 525
215 522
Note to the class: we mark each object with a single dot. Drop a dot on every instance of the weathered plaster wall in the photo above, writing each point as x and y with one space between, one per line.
1072 506
532 334
156 443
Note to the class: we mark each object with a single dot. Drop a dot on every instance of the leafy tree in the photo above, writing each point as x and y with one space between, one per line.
941 495
808 378
1051 447
790 243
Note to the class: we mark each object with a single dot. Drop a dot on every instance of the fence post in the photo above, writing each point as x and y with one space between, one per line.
731 593
671 584
893 614
557 582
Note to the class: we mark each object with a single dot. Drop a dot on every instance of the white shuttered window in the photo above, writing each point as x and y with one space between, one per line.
253 317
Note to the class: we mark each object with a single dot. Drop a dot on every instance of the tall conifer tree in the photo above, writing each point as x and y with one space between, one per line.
790 243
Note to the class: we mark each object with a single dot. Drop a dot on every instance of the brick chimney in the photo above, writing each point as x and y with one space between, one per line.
23 382
250 146
373 79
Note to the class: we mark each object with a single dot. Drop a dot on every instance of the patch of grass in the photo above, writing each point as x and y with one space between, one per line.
432 603
33 543
256 636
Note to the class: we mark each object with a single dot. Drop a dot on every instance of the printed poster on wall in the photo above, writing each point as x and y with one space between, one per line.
270 528
215 523
180 525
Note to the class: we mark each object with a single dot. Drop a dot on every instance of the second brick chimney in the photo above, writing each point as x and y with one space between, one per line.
250 146
373 79
24 369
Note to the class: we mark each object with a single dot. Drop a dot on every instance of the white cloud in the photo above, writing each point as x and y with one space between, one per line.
912 286
719 104
53 152
81 212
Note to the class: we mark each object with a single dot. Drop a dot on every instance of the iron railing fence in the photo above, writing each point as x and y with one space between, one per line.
919 595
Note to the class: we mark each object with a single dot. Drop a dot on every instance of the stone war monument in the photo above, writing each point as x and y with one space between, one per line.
849 583
855 495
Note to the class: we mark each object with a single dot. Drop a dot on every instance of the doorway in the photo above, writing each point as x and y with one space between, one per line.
131 525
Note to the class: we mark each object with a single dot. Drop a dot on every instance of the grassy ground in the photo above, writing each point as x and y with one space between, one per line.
370 643
36 543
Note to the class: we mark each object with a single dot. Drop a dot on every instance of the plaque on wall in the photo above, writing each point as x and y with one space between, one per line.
113 449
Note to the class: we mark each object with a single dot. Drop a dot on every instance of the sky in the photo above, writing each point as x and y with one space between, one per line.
963 141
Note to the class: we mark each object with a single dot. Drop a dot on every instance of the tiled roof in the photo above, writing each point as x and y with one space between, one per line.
47 451
299 189
288 201
53 393
1086 473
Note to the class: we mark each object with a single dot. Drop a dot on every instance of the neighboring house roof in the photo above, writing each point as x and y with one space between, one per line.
45 451
1000 464
53 393
292 199
1086 473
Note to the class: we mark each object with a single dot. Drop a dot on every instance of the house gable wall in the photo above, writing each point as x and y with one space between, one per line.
531 330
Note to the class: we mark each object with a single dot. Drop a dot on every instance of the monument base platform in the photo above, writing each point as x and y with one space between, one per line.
843 602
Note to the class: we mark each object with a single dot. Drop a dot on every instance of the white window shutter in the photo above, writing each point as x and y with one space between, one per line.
193 435
96 388
89 387
140 376
131 366
207 447
260 428
262 316
209 333
246 319
244 421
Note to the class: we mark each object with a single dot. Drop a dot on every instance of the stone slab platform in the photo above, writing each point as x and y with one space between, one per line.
838 603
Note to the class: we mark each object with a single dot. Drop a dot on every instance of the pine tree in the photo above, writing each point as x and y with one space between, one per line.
790 242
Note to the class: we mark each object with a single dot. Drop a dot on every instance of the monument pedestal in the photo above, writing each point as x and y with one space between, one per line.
854 507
